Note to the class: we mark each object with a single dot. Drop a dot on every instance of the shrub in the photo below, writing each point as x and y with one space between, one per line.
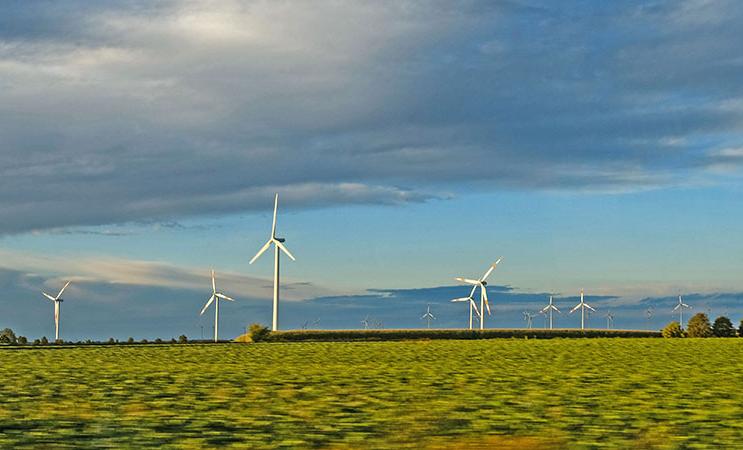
723 327
257 332
182 339
699 326
673 330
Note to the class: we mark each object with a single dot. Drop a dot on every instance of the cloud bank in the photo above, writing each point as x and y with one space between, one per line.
125 111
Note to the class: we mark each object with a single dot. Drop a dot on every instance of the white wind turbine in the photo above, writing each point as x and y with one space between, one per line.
216 296
481 283
278 244
528 317
428 316
549 308
583 306
680 307
57 303
609 320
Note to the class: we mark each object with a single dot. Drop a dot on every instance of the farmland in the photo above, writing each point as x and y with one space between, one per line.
540 394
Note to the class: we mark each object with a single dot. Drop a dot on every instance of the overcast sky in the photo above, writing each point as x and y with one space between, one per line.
591 144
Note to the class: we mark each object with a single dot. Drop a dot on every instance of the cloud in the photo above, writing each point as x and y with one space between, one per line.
136 111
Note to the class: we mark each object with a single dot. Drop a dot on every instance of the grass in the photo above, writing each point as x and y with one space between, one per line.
504 393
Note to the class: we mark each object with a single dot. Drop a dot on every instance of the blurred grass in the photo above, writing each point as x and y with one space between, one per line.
535 394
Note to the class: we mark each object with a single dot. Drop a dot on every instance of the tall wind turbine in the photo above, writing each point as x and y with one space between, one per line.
473 306
609 320
57 303
583 306
680 307
528 317
428 316
481 283
549 308
278 244
216 296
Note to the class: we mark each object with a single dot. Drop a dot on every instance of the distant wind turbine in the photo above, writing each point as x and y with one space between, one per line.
365 322
549 308
57 303
481 283
528 317
680 307
216 296
428 316
582 306
609 320
278 244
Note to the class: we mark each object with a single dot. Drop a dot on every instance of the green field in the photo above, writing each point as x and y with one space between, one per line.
503 393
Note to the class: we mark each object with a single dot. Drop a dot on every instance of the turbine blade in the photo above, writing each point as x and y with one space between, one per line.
468 281
211 299
224 297
485 297
545 309
676 307
49 296
261 251
214 283
555 308
576 308
275 208
285 250
474 306
62 290
462 299
589 307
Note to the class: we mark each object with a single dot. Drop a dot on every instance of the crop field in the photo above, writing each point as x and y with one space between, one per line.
502 393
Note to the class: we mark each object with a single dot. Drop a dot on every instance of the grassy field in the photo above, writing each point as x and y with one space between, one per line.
526 394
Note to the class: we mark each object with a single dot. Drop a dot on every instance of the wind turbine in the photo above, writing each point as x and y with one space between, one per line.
215 298
428 316
278 244
680 306
57 303
528 317
583 306
549 308
649 314
472 303
609 320
481 283
365 322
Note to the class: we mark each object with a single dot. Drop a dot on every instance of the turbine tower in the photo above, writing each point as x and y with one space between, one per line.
278 244
57 303
428 316
481 283
680 307
609 320
583 306
549 308
215 298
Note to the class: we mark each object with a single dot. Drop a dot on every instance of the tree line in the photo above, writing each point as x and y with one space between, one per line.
700 326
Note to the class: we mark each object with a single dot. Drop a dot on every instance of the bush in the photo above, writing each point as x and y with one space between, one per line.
257 332
699 326
182 339
723 327
673 330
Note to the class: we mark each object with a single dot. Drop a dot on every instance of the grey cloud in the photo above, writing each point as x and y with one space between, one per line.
141 111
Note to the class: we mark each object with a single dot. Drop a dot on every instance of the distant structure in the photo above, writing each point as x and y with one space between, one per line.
548 309
428 316
680 307
216 296
609 320
278 244
481 283
582 306
57 303
365 322
529 318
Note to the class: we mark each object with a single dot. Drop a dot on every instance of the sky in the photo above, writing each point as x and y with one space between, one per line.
591 145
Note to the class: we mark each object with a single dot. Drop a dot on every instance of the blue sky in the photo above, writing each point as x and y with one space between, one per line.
591 145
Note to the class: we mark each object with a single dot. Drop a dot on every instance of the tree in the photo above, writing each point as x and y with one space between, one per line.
699 326
130 340
740 329
257 332
673 330
111 341
37 342
158 341
22 340
7 336
723 327
44 340
182 339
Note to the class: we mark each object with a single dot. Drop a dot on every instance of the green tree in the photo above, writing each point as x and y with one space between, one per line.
130 340
111 341
7 336
673 330
158 341
740 329
44 340
257 332
22 340
699 326
723 327
182 339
